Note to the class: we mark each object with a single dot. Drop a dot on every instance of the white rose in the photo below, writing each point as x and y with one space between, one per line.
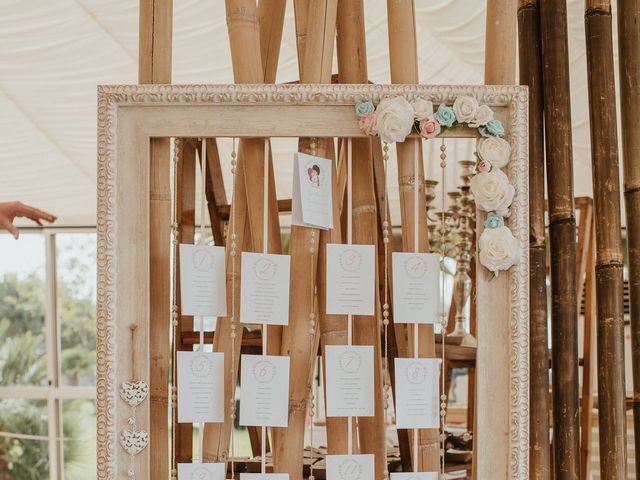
494 150
492 191
465 108
499 249
484 115
422 109
395 119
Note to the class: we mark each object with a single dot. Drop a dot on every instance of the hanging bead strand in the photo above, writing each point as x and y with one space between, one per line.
177 153
443 315
385 305
232 323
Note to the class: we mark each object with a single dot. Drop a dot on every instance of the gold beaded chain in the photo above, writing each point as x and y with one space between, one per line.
178 147
232 317
443 315
385 306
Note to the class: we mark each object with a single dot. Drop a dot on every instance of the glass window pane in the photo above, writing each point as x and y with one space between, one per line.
22 310
24 458
76 294
79 420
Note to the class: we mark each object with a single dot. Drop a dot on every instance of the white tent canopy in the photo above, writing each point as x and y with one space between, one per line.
53 54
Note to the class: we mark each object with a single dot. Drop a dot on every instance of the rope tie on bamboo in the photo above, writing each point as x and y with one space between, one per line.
232 322
178 148
265 248
385 305
349 241
443 315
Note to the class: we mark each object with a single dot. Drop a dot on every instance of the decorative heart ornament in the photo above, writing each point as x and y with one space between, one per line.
134 442
134 393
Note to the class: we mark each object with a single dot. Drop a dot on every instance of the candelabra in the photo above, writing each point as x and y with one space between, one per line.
454 239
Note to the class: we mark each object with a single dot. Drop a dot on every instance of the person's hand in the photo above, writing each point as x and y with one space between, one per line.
9 211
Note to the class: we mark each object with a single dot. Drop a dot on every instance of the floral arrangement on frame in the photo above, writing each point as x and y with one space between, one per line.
395 118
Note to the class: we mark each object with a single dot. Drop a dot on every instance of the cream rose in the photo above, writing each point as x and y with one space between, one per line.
465 108
395 119
492 191
421 109
494 150
484 115
499 249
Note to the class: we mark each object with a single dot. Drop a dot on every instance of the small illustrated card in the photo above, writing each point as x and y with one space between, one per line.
202 280
264 288
349 380
415 476
201 471
312 198
350 467
417 403
264 380
264 476
416 287
200 387
350 279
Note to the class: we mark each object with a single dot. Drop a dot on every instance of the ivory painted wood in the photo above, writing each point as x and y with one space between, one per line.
129 116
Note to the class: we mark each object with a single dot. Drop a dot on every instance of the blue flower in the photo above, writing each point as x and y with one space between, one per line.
364 108
445 116
493 128
494 221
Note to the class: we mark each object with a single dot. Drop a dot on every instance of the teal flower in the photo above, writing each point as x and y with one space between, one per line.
494 221
364 108
445 116
493 128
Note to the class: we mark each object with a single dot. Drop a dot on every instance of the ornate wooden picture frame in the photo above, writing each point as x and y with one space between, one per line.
130 115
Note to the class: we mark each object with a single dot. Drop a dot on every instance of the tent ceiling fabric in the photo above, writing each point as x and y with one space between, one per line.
53 54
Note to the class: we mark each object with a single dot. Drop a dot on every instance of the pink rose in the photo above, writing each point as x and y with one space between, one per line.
429 127
484 166
367 124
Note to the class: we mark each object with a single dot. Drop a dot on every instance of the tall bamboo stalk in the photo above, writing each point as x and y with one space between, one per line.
562 232
403 58
154 66
299 341
352 68
629 58
609 257
530 48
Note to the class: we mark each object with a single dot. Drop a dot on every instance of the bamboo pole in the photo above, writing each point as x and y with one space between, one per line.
530 48
562 232
609 257
403 57
288 442
629 58
186 220
154 66
271 13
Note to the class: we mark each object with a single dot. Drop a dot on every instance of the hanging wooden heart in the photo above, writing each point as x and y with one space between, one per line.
134 393
133 442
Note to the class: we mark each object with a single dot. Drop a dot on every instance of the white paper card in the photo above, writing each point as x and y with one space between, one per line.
417 403
264 400
416 287
200 387
349 380
350 467
264 476
312 197
201 471
264 288
202 280
414 476
350 279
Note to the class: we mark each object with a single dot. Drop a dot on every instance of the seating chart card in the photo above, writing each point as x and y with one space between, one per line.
414 476
312 197
200 387
349 381
201 471
416 287
202 280
350 279
264 401
350 467
417 393
264 288
264 476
